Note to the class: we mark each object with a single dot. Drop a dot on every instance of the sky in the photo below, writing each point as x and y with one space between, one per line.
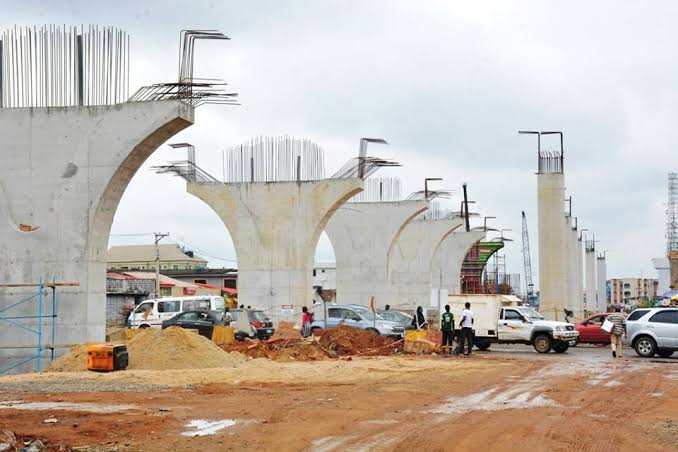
447 83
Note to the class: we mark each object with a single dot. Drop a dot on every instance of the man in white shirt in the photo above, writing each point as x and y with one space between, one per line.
467 328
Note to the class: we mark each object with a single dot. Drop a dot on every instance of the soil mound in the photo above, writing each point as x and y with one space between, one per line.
346 340
151 349
285 331
279 350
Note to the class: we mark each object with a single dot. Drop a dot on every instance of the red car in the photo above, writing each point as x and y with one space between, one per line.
590 331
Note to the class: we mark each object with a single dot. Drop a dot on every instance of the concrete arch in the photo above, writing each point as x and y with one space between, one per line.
412 258
449 258
363 234
275 227
66 171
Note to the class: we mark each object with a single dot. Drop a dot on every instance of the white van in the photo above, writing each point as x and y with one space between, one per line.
151 313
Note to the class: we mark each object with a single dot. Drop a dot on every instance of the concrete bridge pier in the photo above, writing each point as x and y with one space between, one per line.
275 227
450 257
411 260
63 173
362 233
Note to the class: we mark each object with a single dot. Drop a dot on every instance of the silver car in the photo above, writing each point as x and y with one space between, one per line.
653 331
358 317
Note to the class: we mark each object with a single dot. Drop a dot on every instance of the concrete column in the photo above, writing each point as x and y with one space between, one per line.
362 234
275 227
579 306
601 278
591 288
570 277
552 245
63 173
411 260
449 258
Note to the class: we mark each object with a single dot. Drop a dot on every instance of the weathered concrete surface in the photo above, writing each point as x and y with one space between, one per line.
579 313
449 258
362 234
601 283
591 287
64 171
275 227
552 245
411 260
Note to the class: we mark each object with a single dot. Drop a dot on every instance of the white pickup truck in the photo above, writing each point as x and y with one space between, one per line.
502 319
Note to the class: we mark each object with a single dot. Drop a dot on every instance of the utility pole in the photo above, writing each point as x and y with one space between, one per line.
158 236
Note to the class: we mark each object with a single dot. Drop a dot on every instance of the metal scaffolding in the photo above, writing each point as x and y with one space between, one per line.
41 297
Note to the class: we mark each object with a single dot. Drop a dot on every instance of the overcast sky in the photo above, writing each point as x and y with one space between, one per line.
447 83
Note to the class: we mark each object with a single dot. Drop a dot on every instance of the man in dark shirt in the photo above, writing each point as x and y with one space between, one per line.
447 328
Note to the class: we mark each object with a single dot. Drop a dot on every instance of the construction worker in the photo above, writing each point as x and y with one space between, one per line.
447 328
467 328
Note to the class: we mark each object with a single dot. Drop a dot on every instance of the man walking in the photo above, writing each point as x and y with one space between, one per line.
467 328
447 328
619 327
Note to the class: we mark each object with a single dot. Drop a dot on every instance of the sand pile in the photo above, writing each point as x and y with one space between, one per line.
345 340
151 349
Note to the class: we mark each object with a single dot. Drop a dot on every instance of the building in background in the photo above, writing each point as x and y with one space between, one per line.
661 264
325 279
133 287
142 257
221 277
629 291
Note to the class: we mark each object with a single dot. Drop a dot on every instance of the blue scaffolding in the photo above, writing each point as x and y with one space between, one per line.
41 297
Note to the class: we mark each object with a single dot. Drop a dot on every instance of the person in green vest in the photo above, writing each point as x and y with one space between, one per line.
447 328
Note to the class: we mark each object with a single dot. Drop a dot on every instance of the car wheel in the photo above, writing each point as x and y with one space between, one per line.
645 346
482 344
560 347
373 330
574 343
542 343
664 352
143 327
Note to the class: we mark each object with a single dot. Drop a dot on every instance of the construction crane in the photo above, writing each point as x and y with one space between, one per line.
531 298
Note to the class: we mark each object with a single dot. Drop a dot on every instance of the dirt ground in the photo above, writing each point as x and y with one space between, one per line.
500 401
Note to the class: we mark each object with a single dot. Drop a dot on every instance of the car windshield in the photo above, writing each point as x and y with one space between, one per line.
257 315
367 314
400 316
531 314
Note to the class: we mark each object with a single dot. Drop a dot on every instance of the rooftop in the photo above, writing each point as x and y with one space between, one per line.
146 253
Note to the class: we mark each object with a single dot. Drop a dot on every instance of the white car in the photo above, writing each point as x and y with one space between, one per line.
653 331
151 313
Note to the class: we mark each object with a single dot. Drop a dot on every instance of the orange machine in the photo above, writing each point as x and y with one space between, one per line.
107 357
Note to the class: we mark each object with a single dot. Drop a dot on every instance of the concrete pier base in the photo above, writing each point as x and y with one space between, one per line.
601 283
552 245
591 287
275 227
411 260
362 233
449 258
63 173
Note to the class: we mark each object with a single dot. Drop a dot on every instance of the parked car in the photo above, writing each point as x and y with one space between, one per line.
402 318
258 320
151 313
358 317
653 331
203 321
590 331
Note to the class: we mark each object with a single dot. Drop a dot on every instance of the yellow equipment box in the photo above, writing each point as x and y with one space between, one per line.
107 357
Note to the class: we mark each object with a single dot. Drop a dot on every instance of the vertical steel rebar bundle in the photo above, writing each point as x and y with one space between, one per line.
550 162
435 212
380 189
55 66
274 159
